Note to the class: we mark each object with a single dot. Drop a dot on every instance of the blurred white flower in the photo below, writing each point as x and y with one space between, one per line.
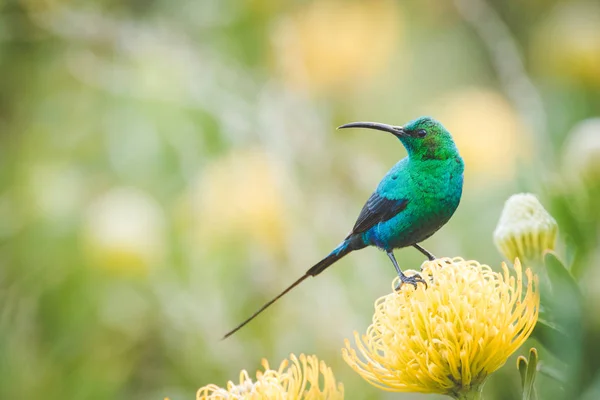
125 230
581 157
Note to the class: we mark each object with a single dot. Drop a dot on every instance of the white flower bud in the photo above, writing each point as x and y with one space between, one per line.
525 228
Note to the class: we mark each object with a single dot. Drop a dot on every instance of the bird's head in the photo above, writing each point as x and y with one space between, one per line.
423 138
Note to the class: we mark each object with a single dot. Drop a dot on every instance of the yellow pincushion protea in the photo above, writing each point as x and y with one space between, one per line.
449 337
300 380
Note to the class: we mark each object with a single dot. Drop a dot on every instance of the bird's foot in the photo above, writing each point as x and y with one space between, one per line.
413 280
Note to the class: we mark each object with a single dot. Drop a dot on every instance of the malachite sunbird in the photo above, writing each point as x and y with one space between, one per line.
413 200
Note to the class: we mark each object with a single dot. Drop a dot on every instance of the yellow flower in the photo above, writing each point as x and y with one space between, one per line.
481 119
300 380
567 43
321 46
449 337
239 196
525 229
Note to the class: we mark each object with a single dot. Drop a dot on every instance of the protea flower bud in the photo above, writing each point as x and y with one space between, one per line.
525 229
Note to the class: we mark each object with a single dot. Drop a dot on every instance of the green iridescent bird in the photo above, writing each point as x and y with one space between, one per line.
413 200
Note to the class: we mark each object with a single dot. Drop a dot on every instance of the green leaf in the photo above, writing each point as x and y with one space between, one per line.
527 371
552 337
564 306
529 390
552 373
560 278
522 367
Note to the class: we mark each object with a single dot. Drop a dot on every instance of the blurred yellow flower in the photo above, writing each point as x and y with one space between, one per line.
487 130
300 380
238 197
449 337
332 45
525 229
124 231
567 43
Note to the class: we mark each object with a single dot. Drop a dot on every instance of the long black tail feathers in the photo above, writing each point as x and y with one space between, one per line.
319 267
334 256
263 308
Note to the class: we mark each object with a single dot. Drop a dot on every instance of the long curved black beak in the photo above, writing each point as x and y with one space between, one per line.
394 130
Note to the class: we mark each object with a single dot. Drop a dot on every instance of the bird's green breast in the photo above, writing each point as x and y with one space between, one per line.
433 189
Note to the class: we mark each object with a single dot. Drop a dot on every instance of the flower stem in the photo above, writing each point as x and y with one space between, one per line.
476 393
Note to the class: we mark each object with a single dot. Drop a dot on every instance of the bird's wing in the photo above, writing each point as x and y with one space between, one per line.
377 209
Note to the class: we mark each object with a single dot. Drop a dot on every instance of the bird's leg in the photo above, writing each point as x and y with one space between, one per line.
427 254
413 280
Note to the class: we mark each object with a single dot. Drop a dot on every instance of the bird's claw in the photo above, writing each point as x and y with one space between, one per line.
413 280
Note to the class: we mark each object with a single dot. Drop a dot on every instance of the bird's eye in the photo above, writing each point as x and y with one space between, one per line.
421 133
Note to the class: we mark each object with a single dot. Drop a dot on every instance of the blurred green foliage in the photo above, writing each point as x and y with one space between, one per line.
165 168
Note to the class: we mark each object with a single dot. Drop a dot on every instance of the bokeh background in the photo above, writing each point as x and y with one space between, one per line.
167 167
